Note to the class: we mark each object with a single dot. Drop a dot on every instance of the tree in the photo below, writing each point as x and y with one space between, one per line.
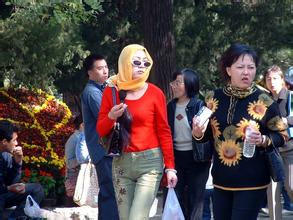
38 38
159 40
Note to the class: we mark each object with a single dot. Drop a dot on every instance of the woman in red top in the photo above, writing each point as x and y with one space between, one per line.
138 171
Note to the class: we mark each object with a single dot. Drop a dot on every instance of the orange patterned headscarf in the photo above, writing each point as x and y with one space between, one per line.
123 80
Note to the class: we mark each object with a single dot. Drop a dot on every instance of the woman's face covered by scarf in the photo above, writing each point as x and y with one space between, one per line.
134 66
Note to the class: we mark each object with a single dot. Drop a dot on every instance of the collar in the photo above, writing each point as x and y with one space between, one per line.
98 85
237 92
283 94
191 102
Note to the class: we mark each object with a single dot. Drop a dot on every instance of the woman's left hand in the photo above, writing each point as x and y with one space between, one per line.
255 137
171 179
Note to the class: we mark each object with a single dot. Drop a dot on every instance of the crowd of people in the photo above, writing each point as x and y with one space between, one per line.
203 161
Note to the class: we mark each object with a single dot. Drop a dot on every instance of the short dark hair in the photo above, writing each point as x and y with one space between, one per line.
232 54
191 81
77 121
6 130
89 61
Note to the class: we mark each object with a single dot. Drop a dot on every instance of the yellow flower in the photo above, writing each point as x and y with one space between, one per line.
243 124
257 109
212 104
229 152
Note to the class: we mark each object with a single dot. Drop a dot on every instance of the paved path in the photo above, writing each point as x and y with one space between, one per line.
80 212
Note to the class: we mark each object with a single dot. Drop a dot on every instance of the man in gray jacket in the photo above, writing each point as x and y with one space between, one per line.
97 70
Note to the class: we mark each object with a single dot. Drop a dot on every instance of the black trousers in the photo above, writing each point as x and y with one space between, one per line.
10 199
192 177
237 205
108 209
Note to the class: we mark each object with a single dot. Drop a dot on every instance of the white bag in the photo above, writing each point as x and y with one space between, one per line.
154 208
87 187
172 209
32 208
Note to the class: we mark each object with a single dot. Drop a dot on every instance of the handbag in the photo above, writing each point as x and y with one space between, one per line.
172 209
112 142
202 152
275 163
87 188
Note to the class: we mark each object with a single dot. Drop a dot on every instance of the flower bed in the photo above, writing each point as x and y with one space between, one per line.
45 124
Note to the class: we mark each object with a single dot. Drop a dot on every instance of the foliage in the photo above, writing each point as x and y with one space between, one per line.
45 43
44 124
40 37
204 32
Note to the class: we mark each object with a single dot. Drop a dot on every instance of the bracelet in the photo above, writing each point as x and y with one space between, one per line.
196 138
173 170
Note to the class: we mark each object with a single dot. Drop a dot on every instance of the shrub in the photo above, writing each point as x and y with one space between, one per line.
45 123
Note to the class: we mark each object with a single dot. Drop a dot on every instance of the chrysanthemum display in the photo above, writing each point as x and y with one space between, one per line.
44 126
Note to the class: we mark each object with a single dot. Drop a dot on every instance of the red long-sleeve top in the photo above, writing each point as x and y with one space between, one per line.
150 127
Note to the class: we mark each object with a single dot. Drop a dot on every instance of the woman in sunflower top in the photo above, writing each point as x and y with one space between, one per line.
192 174
143 120
240 183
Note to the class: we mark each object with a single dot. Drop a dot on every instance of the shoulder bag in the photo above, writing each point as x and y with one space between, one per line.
112 142
275 163
87 187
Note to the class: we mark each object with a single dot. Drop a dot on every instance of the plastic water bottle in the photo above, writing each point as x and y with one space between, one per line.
248 148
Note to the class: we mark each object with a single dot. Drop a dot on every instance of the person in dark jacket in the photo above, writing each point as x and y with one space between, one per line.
192 174
275 83
12 191
240 182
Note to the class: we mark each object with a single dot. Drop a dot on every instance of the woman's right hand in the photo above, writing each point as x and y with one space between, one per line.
197 129
116 111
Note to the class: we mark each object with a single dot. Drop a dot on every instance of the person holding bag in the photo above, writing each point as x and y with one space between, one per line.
192 174
240 177
76 153
147 142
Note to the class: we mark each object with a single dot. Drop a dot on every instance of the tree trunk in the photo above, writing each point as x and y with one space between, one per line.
159 40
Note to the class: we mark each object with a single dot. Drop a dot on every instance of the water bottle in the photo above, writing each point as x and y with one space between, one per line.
248 148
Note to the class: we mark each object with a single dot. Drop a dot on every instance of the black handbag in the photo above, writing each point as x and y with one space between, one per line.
202 152
275 163
112 142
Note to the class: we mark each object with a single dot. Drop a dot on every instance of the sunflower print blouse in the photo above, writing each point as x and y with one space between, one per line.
232 113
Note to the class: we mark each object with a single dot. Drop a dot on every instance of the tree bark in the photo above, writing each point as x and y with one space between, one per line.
159 41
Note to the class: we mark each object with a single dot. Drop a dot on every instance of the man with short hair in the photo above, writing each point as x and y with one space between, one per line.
91 97
12 191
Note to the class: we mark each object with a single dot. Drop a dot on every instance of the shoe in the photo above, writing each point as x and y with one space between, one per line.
264 211
287 211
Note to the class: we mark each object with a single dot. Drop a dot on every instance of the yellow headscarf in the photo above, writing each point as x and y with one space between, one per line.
123 80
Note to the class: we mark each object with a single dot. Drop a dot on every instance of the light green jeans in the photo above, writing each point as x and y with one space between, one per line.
136 178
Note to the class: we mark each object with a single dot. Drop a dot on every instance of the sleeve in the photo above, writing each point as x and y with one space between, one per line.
290 121
94 101
275 127
13 171
71 161
104 123
163 130
81 151
3 187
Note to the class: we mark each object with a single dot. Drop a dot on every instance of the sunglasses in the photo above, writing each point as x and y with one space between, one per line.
138 63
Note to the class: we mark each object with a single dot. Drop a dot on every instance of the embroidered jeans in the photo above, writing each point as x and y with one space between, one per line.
136 177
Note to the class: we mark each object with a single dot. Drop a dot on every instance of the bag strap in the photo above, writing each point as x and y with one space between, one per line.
113 95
